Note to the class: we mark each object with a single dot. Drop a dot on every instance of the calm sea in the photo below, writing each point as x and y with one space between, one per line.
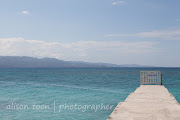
71 94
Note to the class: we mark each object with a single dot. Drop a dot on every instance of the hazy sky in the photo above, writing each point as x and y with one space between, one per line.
112 31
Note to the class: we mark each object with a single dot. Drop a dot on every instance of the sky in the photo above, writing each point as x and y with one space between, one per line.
145 32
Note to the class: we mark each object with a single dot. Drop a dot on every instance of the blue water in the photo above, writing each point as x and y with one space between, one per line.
41 92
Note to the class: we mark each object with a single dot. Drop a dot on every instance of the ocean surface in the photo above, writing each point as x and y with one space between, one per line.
71 94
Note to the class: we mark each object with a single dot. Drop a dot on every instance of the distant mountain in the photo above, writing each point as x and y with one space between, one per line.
30 62
134 65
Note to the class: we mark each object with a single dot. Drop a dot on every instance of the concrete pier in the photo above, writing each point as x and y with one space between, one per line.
148 102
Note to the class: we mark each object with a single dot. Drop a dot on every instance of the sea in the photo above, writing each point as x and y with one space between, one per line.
72 93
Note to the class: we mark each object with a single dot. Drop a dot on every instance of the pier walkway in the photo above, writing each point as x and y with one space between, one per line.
148 102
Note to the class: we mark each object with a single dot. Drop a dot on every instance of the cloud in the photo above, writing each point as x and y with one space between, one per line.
117 2
92 51
25 12
162 34
177 20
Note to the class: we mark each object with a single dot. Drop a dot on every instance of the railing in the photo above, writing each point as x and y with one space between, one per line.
150 77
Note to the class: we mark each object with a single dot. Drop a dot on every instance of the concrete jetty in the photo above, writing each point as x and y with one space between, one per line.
148 102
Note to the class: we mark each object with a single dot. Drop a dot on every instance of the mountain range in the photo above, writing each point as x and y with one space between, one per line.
30 62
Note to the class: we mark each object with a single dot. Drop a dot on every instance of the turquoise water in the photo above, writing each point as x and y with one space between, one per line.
51 94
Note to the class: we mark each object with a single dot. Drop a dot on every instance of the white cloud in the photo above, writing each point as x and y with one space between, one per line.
177 20
92 51
162 34
25 12
117 2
